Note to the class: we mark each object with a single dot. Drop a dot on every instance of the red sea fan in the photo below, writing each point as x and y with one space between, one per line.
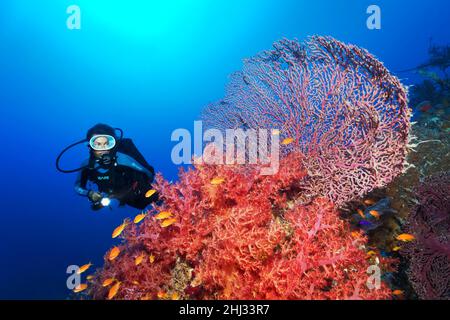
429 254
244 238
347 113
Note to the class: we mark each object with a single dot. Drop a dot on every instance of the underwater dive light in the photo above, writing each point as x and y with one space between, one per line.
105 202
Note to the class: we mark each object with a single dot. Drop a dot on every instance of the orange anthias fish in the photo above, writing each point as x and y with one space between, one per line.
374 213
371 253
396 248
146 297
163 215
287 141
151 258
397 292
217 180
89 277
117 231
405 237
113 291
80 287
113 253
83 268
168 222
107 282
355 234
361 213
369 202
162 295
139 259
139 218
149 193
175 296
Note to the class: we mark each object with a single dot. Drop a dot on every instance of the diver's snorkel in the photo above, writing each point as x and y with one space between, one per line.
106 159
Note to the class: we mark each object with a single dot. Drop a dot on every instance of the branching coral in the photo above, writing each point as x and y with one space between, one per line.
242 235
347 113
244 238
429 255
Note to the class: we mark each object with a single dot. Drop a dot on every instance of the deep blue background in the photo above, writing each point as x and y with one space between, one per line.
148 67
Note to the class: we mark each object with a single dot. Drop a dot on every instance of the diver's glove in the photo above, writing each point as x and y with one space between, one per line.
94 196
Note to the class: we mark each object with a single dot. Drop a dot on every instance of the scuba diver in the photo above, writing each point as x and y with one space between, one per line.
116 167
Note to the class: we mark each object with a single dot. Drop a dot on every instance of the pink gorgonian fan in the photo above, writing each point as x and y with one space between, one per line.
347 114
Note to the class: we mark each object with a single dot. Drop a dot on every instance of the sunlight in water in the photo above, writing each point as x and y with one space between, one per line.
145 19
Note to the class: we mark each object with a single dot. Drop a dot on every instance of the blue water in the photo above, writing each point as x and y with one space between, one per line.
147 67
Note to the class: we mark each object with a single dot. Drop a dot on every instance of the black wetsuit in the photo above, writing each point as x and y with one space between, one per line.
126 180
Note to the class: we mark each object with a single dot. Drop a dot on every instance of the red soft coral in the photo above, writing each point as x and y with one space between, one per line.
245 238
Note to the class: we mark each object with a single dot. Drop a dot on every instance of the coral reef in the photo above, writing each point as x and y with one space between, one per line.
346 113
430 154
227 232
429 254
430 140
243 238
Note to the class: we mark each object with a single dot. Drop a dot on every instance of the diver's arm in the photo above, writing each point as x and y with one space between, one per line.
81 182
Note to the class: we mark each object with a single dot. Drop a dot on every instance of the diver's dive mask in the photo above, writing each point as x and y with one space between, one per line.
98 142
102 142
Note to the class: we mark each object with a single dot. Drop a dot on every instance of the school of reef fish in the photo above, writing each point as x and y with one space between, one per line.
363 181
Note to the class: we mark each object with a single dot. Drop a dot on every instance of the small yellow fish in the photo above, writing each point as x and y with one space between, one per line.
139 217
83 268
136 283
374 213
397 292
113 253
139 259
175 296
89 277
396 248
107 282
217 180
405 237
149 193
113 291
168 222
361 213
80 287
162 295
151 258
117 231
355 234
275 132
371 253
163 215
287 141
369 202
